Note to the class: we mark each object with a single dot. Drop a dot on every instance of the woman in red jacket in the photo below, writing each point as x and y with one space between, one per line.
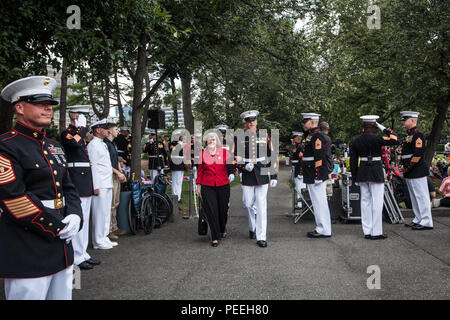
215 173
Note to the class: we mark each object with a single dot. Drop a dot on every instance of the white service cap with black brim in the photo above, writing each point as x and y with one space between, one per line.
79 108
409 114
34 89
369 118
100 124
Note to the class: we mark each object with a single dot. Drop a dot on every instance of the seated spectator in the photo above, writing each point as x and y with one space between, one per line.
445 191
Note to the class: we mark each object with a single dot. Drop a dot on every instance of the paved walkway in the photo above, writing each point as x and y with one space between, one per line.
174 262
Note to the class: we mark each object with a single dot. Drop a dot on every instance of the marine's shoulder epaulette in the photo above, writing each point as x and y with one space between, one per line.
8 135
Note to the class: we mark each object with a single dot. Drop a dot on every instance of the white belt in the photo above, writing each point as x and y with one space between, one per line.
78 164
308 159
367 159
54 204
255 159
407 156
294 161
177 157
156 156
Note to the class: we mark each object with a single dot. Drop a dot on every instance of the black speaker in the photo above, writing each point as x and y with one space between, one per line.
156 119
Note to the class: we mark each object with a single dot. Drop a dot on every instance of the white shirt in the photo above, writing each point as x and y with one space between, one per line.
102 173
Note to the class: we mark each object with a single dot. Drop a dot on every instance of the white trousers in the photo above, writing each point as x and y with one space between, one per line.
54 287
81 240
420 200
299 185
372 199
254 199
318 195
177 183
101 216
153 174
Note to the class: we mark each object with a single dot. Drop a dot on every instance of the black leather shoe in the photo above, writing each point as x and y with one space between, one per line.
252 235
261 243
315 234
380 237
411 224
85 266
214 244
93 261
420 227
367 236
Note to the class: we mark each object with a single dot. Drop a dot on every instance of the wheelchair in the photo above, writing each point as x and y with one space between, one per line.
150 206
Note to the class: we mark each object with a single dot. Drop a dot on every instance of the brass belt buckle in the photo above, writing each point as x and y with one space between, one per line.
58 203
253 160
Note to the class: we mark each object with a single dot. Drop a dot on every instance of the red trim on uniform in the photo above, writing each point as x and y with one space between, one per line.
29 137
51 169
15 134
29 201
41 132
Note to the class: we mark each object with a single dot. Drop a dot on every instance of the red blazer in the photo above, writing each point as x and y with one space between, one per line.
213 169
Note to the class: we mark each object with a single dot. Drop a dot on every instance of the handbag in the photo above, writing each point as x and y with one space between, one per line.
202 223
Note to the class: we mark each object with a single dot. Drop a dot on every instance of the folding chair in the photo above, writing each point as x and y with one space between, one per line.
306 206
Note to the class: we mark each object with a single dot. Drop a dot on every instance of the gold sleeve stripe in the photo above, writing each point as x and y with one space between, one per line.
21 207
77 138
318 163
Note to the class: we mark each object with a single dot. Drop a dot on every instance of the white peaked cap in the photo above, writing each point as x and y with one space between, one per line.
32 89
311 116
369 118
79 108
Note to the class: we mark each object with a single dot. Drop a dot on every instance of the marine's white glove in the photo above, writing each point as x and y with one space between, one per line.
249 167
380 126
231 178
273 183
72 227
81 122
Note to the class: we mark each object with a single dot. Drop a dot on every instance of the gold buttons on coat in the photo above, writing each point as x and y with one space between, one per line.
57 183
58 230
51 161
50 224
45 152
41 219
35 134
55 172
37 165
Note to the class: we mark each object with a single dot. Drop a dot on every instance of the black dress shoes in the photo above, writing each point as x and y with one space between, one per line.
261 243
367 236
411 224
315 234
420 227
214 244
252 235
93 261
380 237
85 266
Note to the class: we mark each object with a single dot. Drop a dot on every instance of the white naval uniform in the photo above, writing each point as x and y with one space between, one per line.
420 201
102 179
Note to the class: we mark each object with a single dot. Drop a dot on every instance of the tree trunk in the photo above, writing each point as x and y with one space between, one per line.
147 105
174 105
438 124
106 101
6 116
63 97
138 80
187 101
119 101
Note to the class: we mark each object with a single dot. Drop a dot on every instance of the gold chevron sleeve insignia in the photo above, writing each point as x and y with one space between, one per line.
77 138
419 143
21 207
318 164
318 144
69 136
415 159
7 174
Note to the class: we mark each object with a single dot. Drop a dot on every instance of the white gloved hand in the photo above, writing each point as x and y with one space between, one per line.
72 227
380 126
273 183
81 122
231 178
249 167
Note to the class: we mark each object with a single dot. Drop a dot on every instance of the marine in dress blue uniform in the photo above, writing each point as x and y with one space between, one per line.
297 163
252 152
73 142
157 155
40 206
369 174
415 171
315 175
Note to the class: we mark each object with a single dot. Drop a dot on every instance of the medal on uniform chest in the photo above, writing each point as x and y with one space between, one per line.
408 139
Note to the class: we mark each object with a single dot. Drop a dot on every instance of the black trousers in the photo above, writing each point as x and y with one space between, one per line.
445 202
215 205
